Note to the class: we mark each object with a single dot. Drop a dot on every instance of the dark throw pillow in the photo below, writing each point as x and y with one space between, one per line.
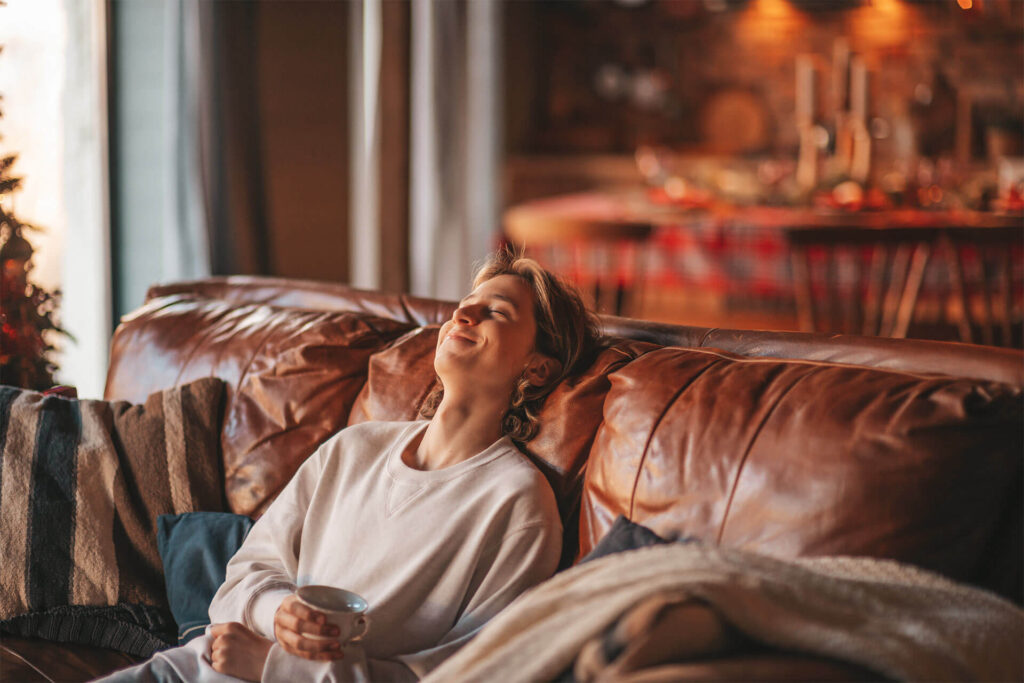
624 535
195 548
82 483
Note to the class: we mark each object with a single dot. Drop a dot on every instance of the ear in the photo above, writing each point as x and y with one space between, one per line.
542 370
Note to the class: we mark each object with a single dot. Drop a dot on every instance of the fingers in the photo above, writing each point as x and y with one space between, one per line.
238 651
292 622
310 648
221 629
224 635
293 605
230 630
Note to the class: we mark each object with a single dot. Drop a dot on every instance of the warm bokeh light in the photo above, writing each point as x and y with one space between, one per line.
768 20
882 22
773 9
965 4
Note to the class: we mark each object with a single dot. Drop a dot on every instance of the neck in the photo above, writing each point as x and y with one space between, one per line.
462 427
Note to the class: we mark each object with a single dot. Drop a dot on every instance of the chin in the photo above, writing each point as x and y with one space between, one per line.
448 364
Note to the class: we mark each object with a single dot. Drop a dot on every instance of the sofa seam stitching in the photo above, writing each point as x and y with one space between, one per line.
29 664
404 303
707 334
238 388
252 357
654 428
746 455
210 331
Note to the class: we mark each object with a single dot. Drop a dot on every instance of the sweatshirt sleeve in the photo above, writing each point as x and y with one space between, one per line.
262 573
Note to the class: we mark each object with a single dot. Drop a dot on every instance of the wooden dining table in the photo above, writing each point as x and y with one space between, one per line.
767 255
617 212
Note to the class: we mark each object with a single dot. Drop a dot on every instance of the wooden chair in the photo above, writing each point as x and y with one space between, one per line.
981 286
868 278
985 289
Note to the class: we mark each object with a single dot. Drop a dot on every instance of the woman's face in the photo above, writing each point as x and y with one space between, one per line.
490 339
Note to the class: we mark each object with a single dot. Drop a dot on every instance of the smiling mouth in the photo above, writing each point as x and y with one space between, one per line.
460 337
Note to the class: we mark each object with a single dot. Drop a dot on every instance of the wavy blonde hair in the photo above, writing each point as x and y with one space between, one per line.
566 331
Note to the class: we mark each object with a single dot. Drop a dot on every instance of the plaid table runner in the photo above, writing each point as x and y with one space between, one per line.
750 264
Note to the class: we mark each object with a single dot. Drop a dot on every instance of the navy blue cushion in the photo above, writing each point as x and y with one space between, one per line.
626 535
195 548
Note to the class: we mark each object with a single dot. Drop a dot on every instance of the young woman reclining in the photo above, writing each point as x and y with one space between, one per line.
439 524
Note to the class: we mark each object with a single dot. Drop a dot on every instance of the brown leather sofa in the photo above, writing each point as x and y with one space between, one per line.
782 443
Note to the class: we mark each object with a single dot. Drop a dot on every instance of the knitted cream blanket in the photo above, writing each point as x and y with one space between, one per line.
903 622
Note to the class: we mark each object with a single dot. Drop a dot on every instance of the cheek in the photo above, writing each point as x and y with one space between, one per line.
440 334
525 342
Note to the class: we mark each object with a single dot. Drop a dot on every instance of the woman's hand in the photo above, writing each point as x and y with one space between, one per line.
295 621
237 651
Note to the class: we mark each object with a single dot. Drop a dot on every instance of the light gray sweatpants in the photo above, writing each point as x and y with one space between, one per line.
190 663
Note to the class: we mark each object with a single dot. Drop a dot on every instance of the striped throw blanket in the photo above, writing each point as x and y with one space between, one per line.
81 486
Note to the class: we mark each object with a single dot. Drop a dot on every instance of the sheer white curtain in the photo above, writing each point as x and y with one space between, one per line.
455 142
161 70
185 236
86 277
455 139
364 93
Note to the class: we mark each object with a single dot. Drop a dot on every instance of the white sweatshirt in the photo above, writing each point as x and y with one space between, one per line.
435 553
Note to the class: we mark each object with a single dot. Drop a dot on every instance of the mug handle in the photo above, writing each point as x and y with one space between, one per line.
363 625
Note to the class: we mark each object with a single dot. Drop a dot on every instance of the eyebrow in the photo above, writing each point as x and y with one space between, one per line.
511 302
506 298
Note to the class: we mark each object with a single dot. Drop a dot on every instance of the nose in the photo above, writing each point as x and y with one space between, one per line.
468 314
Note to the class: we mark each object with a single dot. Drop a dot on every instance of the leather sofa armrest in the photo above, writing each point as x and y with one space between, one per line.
30 660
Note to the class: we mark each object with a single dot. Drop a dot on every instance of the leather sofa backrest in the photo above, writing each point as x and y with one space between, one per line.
958 360
797 458
791 444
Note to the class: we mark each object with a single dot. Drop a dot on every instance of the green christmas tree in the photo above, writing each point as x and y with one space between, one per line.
28 313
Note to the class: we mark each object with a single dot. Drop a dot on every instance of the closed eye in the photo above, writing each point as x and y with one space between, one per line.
498 311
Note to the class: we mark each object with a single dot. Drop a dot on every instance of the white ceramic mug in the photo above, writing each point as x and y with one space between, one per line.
344 609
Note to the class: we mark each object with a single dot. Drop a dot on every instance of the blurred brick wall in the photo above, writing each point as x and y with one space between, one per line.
554 51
